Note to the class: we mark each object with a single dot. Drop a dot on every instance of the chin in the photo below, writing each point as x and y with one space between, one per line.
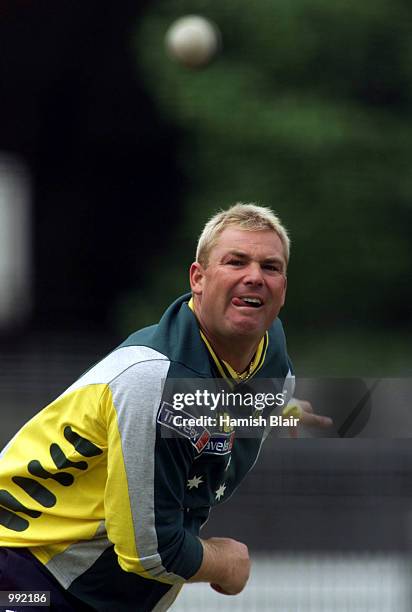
247 328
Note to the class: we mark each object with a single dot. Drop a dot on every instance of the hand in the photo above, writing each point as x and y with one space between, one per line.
304 412
226 565
237 565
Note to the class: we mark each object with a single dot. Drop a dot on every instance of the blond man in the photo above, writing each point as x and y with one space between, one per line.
103 493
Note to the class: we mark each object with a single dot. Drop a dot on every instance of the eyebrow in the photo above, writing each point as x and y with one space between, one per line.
243 255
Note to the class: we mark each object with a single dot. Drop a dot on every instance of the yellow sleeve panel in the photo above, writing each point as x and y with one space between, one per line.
53 475
64 474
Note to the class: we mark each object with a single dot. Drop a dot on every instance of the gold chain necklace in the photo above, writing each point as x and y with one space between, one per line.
246 373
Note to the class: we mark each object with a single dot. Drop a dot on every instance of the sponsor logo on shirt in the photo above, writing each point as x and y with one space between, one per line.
197 435
219 444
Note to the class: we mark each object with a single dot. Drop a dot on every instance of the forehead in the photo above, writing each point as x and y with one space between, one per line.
261 243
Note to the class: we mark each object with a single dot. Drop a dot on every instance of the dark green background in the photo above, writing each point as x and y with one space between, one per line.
306 110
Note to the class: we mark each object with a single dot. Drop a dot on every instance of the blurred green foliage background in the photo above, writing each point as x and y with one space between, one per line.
306 110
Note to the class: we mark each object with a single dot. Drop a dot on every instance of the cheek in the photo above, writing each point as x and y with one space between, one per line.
277 290
279 285
211 294
218 284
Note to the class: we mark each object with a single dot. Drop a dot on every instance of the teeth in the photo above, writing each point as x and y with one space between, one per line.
252 300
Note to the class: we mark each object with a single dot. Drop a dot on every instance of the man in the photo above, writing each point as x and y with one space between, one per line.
103 493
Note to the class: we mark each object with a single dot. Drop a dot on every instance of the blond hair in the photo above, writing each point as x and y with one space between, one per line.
246 217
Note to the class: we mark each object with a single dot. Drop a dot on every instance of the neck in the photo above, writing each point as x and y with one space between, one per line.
238 355
237 352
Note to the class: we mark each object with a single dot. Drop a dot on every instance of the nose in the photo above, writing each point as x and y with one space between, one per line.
254 275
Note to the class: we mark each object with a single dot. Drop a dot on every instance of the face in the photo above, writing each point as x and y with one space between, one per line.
243 288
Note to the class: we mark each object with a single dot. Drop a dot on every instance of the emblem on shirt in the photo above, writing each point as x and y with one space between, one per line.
219 444
181 422
193 483
220 491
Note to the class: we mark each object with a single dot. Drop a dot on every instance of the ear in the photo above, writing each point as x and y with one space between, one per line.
196 276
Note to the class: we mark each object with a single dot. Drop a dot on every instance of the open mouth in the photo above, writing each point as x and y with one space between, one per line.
250 302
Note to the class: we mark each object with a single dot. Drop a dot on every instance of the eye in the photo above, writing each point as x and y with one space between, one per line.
235 262
273 268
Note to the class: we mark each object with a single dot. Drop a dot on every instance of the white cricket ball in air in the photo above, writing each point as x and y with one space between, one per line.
193 41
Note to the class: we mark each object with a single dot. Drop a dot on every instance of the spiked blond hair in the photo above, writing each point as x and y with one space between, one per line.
246 217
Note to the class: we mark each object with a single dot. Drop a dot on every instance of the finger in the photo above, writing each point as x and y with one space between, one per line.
316 420
305 405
